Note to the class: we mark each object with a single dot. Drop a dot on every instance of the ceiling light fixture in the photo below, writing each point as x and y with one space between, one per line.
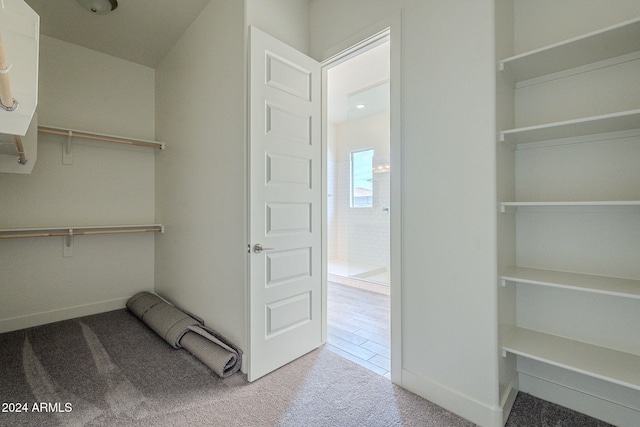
100 7
360 106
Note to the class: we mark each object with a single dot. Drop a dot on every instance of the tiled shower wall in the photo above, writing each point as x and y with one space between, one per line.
358 234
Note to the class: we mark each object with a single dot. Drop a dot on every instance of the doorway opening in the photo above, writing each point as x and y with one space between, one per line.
358 213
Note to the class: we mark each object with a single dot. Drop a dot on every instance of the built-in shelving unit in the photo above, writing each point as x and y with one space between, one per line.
610 365
580 282
610 46
625 120
15 233
607 43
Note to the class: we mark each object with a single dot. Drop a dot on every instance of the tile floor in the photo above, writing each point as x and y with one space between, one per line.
358 327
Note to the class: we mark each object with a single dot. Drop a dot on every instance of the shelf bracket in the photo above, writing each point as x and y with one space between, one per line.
67 154
508 209
508 77
68 244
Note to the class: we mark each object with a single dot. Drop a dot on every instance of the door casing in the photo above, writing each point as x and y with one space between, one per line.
387 29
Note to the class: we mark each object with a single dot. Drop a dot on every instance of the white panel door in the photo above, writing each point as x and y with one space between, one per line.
285 205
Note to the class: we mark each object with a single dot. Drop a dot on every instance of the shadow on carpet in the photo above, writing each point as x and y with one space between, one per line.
111 369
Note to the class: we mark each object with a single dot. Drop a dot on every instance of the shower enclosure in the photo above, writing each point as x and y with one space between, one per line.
359 191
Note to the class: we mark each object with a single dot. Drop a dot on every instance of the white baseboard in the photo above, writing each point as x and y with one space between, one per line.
42 318
508 398
465 406
596 407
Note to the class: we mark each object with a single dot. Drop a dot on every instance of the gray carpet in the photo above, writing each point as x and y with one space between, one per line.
111 369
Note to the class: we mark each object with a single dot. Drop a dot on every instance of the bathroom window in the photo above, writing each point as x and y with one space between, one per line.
362 178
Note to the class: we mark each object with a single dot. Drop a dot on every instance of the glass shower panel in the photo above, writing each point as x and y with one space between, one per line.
364 144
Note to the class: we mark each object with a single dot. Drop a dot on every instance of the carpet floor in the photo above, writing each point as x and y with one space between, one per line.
111 369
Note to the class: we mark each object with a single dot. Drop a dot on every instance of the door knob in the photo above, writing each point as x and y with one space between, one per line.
257 248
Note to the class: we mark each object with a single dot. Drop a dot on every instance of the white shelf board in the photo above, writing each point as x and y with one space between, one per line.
621 121
582 282
611 203
610 365
610 42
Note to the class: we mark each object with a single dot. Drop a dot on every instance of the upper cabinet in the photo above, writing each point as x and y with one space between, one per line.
19 47
19 50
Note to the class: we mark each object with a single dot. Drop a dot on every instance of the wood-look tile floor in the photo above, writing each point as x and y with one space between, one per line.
358 327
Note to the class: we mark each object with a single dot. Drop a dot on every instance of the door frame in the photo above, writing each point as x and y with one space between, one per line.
389 28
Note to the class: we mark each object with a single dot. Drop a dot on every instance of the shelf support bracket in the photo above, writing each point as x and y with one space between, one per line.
509 78
67 154
68 244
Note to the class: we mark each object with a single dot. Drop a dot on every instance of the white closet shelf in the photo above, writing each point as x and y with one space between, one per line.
53 130
621 121
611 203
582 282
607 43
610 365
13 233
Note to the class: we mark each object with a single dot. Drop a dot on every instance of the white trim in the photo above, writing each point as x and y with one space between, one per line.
389 28
45 317
459 403
605 410
509 397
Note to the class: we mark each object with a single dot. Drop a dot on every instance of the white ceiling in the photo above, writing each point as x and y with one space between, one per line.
350 81
140 31
143 31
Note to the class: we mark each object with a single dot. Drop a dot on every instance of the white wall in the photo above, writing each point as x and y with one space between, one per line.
200 179
449 344
201 182
107 184
286 20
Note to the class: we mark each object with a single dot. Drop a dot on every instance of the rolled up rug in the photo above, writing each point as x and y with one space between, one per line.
212 350
165 319
182 330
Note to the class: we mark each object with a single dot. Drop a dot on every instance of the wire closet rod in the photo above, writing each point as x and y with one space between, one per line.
99 137
78 231
7 102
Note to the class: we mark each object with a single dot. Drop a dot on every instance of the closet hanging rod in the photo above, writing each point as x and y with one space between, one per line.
22 158
78 231
99 137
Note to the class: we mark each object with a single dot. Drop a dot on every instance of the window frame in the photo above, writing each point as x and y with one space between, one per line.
352 180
